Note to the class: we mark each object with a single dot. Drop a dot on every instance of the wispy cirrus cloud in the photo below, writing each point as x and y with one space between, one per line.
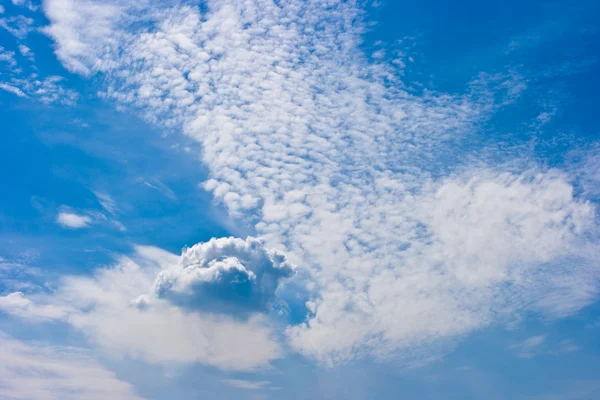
538 346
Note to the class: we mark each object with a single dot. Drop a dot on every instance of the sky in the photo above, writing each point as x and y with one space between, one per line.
299 199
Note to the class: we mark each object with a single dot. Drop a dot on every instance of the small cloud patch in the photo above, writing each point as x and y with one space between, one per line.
73 221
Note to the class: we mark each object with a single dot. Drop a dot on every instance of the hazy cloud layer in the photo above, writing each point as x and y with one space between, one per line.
37 371
102 307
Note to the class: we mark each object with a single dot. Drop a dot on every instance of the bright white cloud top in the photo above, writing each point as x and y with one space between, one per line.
72 220
336 165
223 275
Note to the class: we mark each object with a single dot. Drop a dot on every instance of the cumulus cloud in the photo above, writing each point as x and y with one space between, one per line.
72 220
224 275
329 157
101 307
39 371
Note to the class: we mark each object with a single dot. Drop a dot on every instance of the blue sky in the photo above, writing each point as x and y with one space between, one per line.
299 199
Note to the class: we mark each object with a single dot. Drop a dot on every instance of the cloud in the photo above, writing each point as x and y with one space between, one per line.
16 274
111 206
72 220
529 347
39 371
47 90
12 89
100 306
18 26
538 345
466 252
107 202
161 187
8 57
223 275
243 384
25 3
17 303
79 42
405 243
26 51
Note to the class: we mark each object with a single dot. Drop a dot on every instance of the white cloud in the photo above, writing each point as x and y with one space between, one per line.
12 89
8 57
72 220
42 372
18 26
47 90
223 275
335 163
82 30
101 307
17 303
244 384
162 188
25 3
107 202
111 206
529 347
538 345
26 51
16 274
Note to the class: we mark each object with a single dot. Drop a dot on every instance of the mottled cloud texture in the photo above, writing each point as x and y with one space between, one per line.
401 242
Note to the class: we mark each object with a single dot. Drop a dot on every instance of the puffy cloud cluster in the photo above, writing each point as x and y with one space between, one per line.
333 161
228 275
